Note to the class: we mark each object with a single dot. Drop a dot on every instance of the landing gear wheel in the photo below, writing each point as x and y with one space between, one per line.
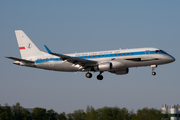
99 77
88 75
153 67
154 73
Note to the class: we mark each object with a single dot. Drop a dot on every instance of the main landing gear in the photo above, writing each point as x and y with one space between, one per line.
153 67
88 75
99 77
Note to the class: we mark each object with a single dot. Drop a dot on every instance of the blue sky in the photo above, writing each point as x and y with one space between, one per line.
84 26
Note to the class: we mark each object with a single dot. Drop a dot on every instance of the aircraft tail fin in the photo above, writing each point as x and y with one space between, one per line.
27 48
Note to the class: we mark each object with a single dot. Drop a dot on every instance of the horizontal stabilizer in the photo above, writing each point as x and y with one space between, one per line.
19 59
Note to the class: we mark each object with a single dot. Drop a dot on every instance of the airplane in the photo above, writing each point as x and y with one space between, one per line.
114 61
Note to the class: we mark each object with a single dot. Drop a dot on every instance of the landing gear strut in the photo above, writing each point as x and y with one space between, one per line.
88 75
153 67
100 77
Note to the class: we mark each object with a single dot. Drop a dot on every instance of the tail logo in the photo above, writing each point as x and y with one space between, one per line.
29 46
21 48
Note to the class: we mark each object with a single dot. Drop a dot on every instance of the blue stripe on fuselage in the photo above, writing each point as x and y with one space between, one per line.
101 56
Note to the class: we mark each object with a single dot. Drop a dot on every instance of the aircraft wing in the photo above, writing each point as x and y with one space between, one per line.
74 60
18 59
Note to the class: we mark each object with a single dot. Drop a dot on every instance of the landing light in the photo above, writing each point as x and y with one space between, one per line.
16 62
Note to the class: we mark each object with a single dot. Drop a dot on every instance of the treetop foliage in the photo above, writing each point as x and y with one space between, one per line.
106 113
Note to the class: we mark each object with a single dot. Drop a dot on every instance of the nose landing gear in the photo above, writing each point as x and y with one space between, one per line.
153 67
154 73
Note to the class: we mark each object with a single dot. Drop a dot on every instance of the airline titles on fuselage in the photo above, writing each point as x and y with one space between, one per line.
97 53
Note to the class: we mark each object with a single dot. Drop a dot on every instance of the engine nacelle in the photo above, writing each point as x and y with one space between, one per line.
121 72
117 65
103 66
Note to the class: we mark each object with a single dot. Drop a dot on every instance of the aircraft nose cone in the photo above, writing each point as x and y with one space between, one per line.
171 59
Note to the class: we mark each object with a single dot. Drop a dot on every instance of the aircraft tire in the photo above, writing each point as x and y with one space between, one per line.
99 77
153 73
88 75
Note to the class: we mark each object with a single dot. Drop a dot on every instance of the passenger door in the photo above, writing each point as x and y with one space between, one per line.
147 52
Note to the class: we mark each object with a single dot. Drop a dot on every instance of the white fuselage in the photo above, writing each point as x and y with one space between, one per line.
127 58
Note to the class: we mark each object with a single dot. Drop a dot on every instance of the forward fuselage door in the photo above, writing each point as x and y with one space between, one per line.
147 52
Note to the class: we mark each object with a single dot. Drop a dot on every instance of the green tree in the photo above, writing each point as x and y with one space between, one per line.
133 116
17 111
52 114
61 116
117 114
125 114
148 114
105 113
6 113
70 116
25 114
79 114
108 113
4 116
39 114
91 113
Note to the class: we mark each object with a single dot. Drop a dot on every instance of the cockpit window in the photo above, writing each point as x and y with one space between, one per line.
157 51
160 51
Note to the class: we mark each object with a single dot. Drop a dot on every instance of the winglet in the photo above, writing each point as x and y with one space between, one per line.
48 50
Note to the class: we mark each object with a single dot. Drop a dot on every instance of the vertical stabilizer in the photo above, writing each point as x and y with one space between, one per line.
27 48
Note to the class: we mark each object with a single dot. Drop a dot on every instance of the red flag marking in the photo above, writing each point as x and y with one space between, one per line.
21 48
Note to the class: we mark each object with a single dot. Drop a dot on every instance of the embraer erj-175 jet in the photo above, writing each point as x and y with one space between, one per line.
114 61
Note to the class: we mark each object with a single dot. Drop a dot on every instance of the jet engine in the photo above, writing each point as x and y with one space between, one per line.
103 66
109 66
